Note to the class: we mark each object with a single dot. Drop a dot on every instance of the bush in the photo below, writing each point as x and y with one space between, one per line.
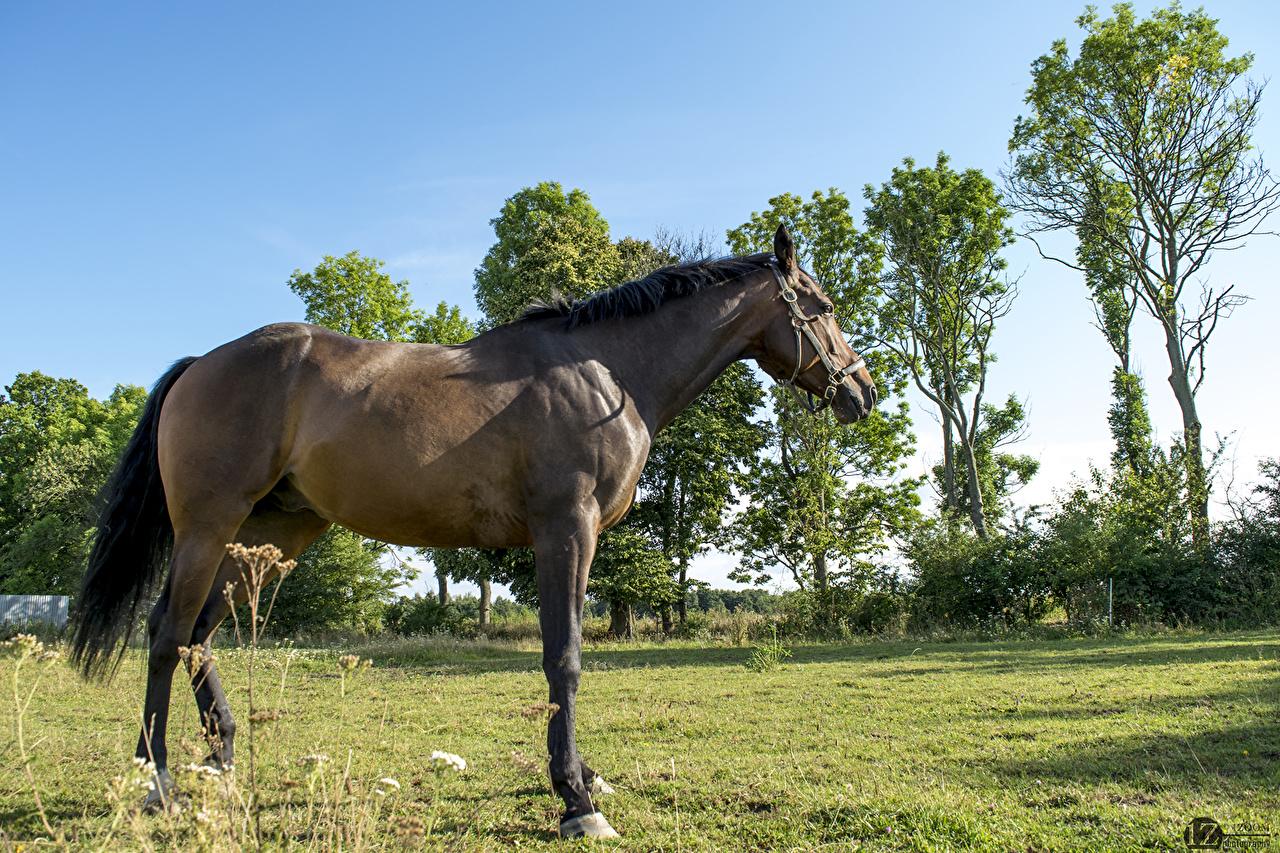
424 614
961 580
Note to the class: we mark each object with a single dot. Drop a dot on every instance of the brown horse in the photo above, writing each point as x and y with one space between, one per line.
534 433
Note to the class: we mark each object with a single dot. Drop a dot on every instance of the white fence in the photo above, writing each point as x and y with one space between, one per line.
24 609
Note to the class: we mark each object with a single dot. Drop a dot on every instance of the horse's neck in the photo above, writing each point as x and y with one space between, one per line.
664 360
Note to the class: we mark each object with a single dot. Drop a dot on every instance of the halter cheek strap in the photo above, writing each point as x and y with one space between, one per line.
801 322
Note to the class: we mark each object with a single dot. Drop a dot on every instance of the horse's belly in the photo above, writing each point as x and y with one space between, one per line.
439 504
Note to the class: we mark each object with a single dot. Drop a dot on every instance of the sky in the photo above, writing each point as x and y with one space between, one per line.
165 167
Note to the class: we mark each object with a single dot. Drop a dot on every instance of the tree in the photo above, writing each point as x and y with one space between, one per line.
1142 143
697 464
943 290
446 327
58 445
825 497
628 570
352 295
341 582
551 245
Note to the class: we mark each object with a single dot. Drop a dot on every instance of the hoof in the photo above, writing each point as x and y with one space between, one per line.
587 826
599 787
163 796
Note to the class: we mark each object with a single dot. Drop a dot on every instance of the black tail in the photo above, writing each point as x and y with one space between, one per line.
131 546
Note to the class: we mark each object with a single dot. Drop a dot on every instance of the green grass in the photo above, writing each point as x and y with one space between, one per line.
1107 744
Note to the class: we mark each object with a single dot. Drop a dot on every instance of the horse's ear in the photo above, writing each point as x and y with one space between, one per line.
784 249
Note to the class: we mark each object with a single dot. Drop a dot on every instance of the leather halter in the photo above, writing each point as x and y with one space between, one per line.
801 322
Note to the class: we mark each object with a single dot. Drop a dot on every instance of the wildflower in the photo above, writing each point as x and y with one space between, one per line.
537 709
266 716
389 782
410 830
315 758
203 770
524 763
25 644
448 761
348 663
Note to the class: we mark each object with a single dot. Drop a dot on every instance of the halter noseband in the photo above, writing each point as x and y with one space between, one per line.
800 322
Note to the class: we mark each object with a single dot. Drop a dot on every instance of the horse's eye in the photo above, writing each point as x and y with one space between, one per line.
828 309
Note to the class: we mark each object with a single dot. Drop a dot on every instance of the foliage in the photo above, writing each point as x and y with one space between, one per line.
446 326
352 295
962 579
1247 551
1141 145
58 446
551 244
823 497
421 615
342 582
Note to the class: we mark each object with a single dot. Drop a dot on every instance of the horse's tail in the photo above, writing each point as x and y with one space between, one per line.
131 546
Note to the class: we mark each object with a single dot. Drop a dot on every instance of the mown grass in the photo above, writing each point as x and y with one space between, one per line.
1101 744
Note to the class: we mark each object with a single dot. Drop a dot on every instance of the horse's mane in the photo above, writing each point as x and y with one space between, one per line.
648 294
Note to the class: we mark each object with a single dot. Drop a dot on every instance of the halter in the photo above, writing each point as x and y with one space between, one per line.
801 322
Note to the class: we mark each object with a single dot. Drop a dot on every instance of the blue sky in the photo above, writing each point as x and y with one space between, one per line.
163 168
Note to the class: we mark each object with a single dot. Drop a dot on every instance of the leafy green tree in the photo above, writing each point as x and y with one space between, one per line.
628 570
942 292
1142 144
58 446
823 498
550 245
696 467
353 295
342 582
447 327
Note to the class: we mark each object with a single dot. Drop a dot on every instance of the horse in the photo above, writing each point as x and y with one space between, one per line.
533 433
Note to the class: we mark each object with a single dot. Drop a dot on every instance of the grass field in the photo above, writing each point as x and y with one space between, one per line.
1111 744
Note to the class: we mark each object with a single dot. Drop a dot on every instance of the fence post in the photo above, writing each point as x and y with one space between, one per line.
1110 599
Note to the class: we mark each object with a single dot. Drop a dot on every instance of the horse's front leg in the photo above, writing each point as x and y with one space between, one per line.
564 550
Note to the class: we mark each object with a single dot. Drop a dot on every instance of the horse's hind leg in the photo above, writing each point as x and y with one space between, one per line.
197 552
291 532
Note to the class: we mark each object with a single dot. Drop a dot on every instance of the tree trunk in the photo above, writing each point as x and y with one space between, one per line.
1197 479
820 573
682 606
486 602
621 620
442 581
665 612
974 489
949 501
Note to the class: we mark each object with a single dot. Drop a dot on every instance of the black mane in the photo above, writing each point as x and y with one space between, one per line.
646 295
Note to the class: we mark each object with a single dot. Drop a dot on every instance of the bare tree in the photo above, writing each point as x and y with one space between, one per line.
1143 143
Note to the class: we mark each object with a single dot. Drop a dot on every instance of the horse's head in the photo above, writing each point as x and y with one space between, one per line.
803 345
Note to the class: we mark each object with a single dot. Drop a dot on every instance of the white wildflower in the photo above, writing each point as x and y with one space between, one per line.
448 761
